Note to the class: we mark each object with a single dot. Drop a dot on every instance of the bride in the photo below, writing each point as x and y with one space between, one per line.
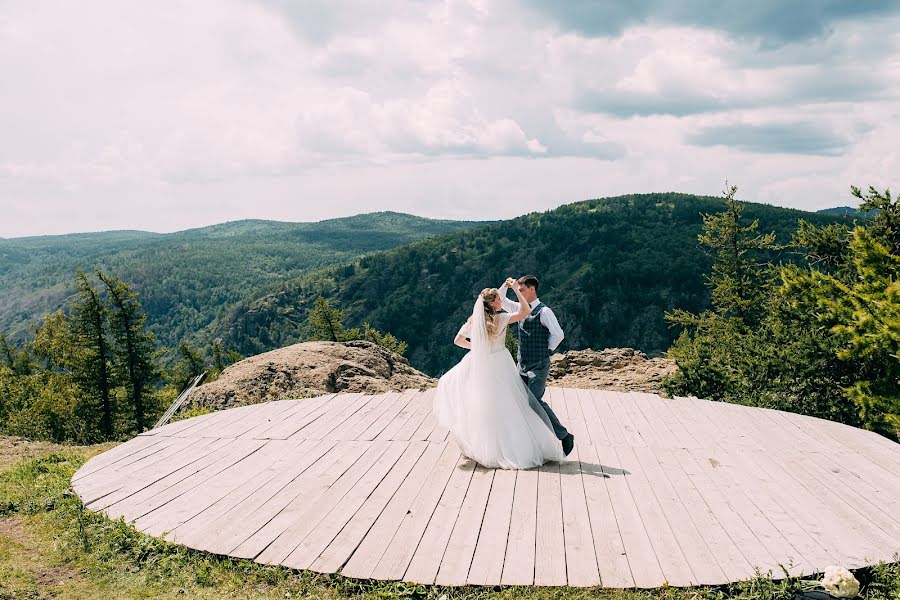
483 401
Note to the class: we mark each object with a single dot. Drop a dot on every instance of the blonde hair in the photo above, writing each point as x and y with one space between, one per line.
488 295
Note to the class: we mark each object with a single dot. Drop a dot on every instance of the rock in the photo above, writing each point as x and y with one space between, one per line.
310 369
622 369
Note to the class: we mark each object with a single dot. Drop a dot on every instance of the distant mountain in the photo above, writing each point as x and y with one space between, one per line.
610 268
188 278
847 211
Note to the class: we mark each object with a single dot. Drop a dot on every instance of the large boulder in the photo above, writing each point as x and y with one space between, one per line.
622 369
310 369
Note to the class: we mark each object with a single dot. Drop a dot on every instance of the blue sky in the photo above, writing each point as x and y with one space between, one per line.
144 115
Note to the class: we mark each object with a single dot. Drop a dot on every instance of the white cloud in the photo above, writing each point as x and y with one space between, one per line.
138 115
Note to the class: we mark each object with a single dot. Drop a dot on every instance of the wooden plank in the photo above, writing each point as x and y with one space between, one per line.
405 420
376 426
325 426
842 543
345 463
728 555
372 546
399 552
457 558
699 557
204 530
245 424
550 550
428 425
642 558
174 427
612 420
223 527
198 498
487 562
751 519
356 424
219 421
118 477
306 412
116 453
371 465
426 560
636 419
518 566
651 411
154 473
609 549
378 485
126 453
581 561
665 543
156 495
844 535
576 421
593 422
666 407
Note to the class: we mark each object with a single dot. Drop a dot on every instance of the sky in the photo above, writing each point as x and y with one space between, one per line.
163 116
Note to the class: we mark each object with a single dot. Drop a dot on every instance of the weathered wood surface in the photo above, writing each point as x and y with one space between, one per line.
679 491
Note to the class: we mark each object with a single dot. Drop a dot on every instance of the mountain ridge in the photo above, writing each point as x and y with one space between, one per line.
610 266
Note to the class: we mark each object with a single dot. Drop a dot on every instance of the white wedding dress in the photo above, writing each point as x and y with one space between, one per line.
484 403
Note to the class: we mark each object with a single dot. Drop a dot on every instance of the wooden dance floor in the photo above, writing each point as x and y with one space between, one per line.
681 491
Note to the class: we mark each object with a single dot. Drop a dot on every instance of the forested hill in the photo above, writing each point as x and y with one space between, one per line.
188 278
609 268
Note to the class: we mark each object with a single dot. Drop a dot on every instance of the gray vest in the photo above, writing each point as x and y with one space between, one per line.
534 338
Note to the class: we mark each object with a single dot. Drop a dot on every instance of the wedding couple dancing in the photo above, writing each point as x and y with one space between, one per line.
493 408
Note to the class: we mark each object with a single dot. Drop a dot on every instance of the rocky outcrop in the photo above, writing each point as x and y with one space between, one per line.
310 369
622 369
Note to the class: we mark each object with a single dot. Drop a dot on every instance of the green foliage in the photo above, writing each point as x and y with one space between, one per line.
91 356
134 347
326 323
826 338
189 278
384 339
90 375
609 268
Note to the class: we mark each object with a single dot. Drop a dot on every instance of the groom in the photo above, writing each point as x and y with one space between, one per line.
539 335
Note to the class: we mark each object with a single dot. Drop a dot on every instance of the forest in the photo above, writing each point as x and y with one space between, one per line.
757 305
188 278
610 268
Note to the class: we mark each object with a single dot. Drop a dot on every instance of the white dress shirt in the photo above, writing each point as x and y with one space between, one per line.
548 319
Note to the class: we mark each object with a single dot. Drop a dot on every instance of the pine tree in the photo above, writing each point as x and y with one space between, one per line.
736 279
91 363
326 324
134 344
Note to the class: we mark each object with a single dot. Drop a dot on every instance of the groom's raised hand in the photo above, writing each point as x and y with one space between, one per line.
510 282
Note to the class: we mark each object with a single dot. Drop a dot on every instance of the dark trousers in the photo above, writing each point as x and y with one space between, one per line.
536 386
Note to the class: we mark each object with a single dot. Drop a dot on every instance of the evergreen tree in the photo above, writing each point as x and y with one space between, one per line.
91 362
326 324
191 363
386 340
737 278
134 344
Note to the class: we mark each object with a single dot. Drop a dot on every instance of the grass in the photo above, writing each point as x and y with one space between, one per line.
51 547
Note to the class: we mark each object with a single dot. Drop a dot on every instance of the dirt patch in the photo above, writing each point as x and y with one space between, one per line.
22 554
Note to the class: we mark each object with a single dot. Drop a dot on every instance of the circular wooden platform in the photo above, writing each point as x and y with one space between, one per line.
683 491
